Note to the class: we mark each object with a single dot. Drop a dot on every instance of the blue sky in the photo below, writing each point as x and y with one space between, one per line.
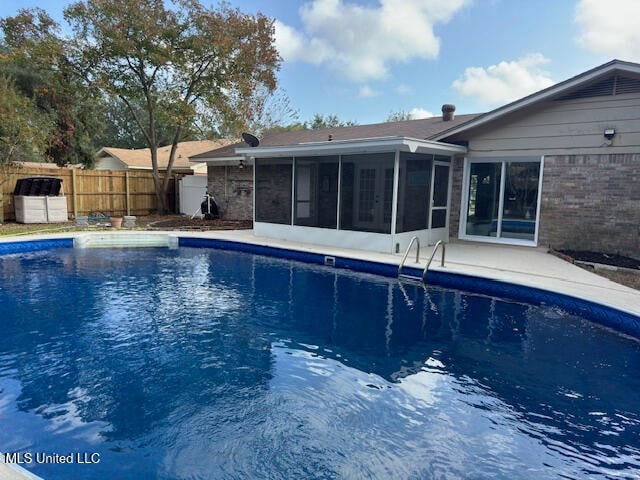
363 59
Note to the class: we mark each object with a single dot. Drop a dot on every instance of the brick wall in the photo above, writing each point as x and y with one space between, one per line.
456 197
591 202
232 188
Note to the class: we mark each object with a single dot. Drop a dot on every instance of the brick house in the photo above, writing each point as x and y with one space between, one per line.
559 168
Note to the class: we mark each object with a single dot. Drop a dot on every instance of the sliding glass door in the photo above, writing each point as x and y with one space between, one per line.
503 199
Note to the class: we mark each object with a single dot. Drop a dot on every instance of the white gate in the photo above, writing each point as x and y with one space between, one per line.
192 189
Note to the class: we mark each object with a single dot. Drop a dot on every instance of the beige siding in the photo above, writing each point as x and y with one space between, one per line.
563 127
109 163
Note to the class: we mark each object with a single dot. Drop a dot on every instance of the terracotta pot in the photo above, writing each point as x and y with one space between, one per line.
116 222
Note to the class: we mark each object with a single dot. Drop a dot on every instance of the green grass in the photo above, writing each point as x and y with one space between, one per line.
11 228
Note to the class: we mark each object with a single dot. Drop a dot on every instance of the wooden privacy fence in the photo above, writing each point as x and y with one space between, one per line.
112 192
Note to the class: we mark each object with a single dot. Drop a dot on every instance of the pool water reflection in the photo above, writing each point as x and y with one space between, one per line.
197 363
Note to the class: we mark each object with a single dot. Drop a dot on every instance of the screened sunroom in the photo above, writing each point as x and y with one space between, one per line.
370 194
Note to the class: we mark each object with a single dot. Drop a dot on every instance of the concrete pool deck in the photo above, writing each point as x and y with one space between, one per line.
527 266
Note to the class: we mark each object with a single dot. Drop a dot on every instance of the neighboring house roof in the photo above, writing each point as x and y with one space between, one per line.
50 165
559 90
423 129
140 159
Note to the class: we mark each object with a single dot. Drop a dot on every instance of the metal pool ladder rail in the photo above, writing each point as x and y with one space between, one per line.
439 243
406 254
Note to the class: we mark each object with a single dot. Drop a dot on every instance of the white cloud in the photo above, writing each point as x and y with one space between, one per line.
366 91
293 46
504 82
361 41
416 113
609 27
403 89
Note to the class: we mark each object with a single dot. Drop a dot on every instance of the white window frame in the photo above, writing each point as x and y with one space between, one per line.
464 204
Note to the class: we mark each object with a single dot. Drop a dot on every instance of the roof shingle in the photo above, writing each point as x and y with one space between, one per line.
423 129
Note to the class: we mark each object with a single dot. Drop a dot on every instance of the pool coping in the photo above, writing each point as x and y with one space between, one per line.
10 471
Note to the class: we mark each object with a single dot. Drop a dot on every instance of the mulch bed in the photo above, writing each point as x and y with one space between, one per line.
602 258
186 223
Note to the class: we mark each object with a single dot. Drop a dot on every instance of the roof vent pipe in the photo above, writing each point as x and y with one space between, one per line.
447 112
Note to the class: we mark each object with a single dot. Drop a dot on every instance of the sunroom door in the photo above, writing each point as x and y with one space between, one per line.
439 211
374 196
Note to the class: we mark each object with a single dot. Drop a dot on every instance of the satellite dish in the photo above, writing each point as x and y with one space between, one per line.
252 140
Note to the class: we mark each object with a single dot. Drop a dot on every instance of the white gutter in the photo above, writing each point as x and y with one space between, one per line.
363 145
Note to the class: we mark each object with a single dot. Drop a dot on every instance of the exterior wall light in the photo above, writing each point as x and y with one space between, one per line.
241 163
609 133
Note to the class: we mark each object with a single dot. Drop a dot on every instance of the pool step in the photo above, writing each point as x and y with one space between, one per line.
411 278
125 240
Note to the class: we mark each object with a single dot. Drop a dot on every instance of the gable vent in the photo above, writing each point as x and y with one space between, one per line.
615 85
627 85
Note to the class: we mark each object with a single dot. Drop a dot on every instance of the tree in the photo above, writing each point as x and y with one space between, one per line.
318 122
330 121
35 56
187 62
121 130
399 116
272 109
25 132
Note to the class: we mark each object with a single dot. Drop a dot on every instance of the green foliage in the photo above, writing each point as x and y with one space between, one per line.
122 131
318 122
24 130
330 121
399 116
35 56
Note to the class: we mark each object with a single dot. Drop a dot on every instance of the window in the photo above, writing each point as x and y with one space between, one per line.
273 180
520 200
484 192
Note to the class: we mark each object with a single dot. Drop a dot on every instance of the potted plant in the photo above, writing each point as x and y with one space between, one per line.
116 222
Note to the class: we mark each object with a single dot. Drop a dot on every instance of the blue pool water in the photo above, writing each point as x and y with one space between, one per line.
198 363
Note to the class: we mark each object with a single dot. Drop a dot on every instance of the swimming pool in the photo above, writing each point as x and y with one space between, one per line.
200 363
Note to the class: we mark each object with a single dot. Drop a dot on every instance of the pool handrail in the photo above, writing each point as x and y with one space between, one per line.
439 243
406 254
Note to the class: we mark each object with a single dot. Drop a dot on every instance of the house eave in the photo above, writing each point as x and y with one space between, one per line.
364 145
546 94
